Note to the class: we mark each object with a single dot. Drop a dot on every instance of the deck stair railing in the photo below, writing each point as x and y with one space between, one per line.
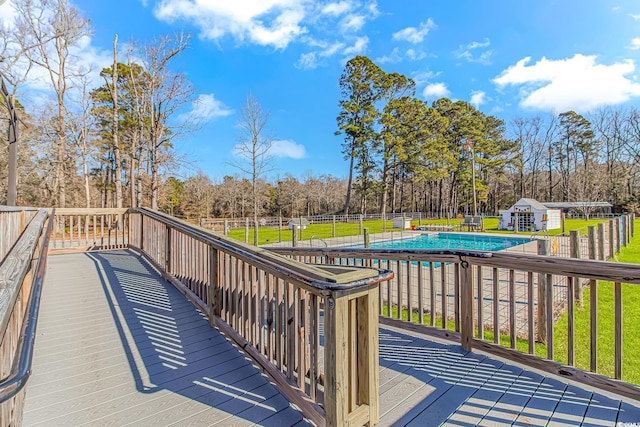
503 303
23 245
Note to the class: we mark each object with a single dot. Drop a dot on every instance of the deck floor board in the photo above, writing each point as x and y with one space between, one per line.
119 346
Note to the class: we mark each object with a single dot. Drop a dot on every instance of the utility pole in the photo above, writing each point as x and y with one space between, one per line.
469 146
13 146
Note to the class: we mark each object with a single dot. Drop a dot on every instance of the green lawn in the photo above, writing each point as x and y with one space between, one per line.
582 338
342 229
630 322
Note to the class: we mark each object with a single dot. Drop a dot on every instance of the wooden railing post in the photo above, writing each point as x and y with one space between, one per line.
466 303
574 236
352 359
611 238
367 241
167 250
543 289
624 239
601 254
333 226
617 234
213 296
593 250
336 370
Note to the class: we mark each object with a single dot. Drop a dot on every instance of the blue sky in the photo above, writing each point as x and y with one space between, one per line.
509 58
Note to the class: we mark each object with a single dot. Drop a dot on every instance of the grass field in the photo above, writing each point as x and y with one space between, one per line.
605 361
268 235
630 322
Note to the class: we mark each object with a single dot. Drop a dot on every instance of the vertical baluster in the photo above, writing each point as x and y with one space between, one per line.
496 307
571 287
260 304
593 327
409 298
302 337
550 297
279 321
389 292
420 293
443 279
314 329
289 330
432 288
480 303
617 290
456 296
512 308
399 288
530 306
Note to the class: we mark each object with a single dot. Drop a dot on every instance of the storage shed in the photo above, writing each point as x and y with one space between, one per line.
529 215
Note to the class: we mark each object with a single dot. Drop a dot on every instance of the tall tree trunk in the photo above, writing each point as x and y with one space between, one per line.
349 182
115 121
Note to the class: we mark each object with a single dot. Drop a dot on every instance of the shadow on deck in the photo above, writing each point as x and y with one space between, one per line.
117 345
144 355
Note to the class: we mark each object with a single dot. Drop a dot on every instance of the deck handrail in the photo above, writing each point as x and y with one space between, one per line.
307 275
271 306
23 271
461 295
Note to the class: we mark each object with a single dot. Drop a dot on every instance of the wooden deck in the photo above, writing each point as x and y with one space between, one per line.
119 346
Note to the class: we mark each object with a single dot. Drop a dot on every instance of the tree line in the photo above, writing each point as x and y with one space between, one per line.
408 154
88 146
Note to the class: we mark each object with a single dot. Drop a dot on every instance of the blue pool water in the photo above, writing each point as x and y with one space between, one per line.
453 241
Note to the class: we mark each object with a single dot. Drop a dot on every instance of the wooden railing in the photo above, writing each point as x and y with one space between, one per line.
274 309
500 303
81 229
22 269
12 223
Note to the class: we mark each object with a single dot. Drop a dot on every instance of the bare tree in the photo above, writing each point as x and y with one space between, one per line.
253 150
81 132
48 29
166 91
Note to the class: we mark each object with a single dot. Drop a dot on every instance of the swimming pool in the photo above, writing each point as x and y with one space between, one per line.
453 241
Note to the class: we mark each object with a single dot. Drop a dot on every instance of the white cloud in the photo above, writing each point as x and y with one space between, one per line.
307 61
413 34
392 58
352 23
395 56
435 90
576 83
478 98
636 17
311 60
413 55
336 9
206 108
467 52
422 77
264 22
359 46
287 148
615 8
635 43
